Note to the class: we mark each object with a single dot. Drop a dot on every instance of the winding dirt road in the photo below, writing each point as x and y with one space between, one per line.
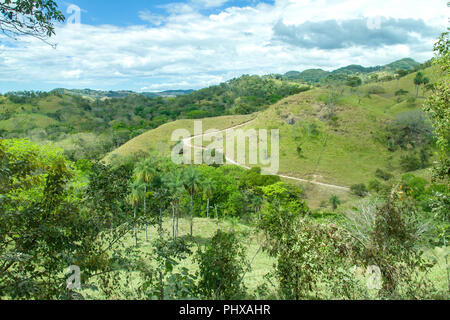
188 143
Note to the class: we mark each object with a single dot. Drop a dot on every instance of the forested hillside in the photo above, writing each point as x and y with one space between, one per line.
89 128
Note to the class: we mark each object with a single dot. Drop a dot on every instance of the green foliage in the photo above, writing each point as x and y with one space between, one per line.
410 162
161 281
376 90
401 92
29 17
381 174
308 254
388 235
359 189
409 130
374 185
44 228
354 82
437 107
222 265
335 202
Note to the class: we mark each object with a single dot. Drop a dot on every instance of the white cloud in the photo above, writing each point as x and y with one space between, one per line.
148 16
209 3
187 49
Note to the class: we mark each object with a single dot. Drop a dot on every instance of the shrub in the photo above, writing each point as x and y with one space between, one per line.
401 92
410 162
390 236
359 190
383 175
309 255
222 265
409 129
335 202
376 90
374 185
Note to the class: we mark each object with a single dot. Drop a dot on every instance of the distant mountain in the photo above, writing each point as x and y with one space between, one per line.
311 75
167 93
100 94
405 64
354 68
316 75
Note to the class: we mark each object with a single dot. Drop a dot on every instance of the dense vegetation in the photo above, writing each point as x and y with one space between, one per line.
56 213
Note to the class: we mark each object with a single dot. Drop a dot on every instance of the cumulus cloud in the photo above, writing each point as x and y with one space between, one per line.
333 34
210 3
187 49
155 19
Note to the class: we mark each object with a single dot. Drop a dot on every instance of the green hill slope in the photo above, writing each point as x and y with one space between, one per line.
159 140
341 142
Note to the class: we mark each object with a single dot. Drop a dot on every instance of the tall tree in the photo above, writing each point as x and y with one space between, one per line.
145 172
355 83
208 187
192 183
174 183
134 198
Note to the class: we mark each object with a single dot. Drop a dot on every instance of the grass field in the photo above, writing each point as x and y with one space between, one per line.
159 139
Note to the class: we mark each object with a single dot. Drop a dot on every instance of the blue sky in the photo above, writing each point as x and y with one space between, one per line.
125 13
159 45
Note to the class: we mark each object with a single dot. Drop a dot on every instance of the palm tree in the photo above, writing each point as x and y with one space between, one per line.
192 181
174 183
134 198
208 187
144 173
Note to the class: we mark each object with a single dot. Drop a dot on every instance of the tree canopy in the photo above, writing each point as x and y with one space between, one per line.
34 18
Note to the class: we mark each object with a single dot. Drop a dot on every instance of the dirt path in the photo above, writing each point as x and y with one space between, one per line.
188 143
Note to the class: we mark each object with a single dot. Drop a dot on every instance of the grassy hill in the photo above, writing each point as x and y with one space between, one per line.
343 141
89 123
159 139
346 147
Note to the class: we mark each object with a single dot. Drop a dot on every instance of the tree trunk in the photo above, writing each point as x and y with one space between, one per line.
192 215
173 222
160 220
135 231
145 213
217 217
207 209
161 286
178 218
